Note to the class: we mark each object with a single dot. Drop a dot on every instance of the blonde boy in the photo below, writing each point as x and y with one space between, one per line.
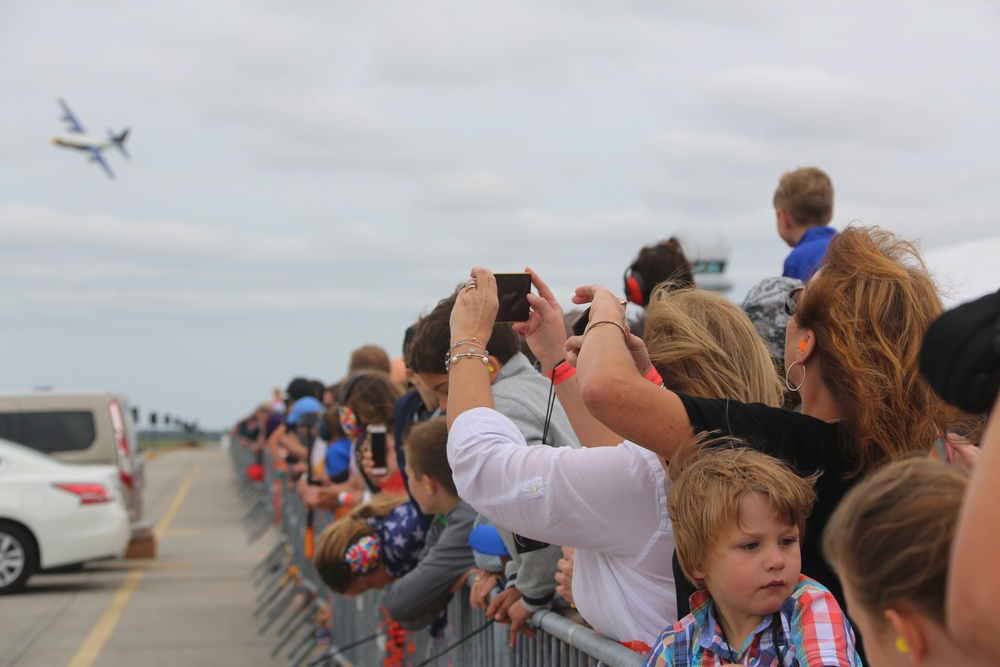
738 518
803 204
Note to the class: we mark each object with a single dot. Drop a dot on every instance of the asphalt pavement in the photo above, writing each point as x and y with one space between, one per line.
191 605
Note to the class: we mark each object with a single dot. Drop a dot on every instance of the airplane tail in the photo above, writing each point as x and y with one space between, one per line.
120 140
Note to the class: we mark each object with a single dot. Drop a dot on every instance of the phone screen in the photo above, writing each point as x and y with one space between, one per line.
580 323
512 292
377 445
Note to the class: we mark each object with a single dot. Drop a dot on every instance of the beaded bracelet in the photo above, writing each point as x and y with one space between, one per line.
468 341
464 355
471 350
612 322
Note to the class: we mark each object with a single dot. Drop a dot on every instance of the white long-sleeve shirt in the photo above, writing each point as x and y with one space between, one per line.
608 502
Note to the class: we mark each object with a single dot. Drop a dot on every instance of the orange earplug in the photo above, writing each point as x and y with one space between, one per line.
803 345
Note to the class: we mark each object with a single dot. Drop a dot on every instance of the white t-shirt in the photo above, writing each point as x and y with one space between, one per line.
610 503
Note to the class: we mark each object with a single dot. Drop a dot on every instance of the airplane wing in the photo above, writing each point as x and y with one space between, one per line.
74 124
95 156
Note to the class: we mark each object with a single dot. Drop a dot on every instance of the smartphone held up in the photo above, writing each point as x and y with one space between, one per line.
512 294
379 449
579 326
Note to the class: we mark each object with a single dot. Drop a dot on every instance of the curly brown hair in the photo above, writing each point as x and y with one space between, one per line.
869 307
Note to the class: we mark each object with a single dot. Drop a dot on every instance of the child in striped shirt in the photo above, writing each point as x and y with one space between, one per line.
738 518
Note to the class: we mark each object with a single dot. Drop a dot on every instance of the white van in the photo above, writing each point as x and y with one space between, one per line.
81 427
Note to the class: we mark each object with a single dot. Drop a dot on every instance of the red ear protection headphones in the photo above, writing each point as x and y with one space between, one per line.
635 287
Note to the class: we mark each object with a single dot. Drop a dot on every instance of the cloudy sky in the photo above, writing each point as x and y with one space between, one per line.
307 177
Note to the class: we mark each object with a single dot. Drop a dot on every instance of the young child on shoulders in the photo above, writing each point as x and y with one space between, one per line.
738 518
803 204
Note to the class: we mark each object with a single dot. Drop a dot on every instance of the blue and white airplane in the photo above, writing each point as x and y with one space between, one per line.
78 139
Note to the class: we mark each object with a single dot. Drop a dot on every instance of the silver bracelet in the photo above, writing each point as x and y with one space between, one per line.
464 355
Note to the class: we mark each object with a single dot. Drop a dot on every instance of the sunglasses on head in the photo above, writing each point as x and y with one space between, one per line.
792 300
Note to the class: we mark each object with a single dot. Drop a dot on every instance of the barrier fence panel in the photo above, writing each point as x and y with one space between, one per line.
316 627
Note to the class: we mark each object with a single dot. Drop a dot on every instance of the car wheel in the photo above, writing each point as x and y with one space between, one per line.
17 557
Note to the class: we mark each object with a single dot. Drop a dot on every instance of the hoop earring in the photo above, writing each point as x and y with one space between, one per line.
788 383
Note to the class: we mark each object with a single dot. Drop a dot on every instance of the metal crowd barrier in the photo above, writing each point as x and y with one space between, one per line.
317 628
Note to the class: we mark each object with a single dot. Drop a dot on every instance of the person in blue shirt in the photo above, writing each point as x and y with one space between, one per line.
803 204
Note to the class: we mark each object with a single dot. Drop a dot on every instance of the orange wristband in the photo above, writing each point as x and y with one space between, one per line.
561 372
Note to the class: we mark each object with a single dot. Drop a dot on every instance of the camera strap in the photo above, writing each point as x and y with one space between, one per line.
523 544
548 408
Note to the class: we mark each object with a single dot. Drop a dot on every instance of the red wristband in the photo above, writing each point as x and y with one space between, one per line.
562 372
654 377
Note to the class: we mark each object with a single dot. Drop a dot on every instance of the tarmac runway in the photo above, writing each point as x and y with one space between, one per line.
191 605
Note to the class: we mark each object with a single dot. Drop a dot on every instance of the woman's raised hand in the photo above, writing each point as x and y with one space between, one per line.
475 310
545 330
604 304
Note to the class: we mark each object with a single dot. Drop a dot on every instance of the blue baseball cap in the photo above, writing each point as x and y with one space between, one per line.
304 406
486 540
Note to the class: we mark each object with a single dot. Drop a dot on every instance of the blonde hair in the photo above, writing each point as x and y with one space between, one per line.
335 539
890 537
806 194
703 344
709 481
869 307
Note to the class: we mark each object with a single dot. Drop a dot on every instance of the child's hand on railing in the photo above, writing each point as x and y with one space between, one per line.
483 583
501 603
519 617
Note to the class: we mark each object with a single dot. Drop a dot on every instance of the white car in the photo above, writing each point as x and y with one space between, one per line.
54 514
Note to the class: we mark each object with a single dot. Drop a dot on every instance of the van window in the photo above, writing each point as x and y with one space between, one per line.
50 431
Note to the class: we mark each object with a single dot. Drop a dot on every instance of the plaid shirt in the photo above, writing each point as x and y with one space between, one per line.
814 631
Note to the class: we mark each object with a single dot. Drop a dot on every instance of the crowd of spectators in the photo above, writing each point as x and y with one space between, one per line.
759 485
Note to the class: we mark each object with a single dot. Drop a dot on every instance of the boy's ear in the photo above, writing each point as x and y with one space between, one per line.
786 218
699 574
908 634
430 484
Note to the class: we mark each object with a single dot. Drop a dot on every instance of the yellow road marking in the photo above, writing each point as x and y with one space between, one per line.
93 644
185 533
143 564
168 516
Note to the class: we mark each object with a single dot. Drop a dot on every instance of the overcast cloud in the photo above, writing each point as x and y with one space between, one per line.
307 177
